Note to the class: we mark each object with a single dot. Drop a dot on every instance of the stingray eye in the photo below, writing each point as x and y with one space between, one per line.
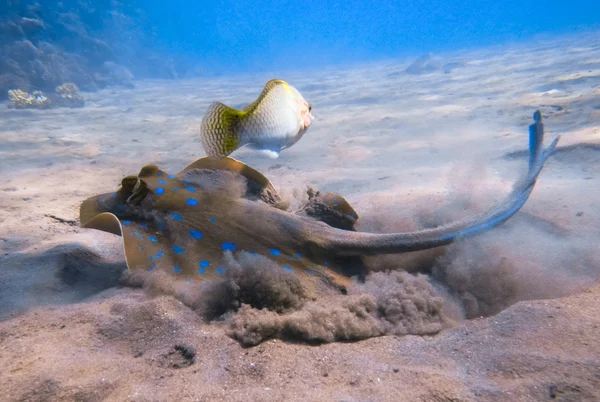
139 192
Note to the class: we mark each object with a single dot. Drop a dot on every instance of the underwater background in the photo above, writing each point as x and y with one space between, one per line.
421 115
98 43
241 35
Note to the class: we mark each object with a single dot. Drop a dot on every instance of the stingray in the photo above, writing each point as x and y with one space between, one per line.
190 224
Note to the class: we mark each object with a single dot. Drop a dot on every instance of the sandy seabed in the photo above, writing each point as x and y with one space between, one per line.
523 300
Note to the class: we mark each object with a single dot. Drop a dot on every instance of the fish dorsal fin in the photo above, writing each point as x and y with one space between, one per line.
268 87
218 130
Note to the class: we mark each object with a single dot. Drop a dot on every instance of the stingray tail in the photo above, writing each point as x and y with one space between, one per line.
219 130
346 243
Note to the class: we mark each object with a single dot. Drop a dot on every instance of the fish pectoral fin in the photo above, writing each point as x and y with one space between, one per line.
270 153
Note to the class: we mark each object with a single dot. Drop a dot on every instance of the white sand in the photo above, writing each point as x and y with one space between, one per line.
394 145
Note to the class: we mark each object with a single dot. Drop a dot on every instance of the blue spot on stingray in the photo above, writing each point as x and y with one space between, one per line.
141 248
220 271
125 223
177 249
298 255
113 195
288 268
176 216
190 189
159 254
204 263
196 234
151 267
171 176
176 269
191 201
310 272
188 281
325 262
151 258
213 220
175 189
201 270
275 252
160 191
162 182
120 208
251 253
144 226
138 235
228 246
159 174
161 225
153 239
335 201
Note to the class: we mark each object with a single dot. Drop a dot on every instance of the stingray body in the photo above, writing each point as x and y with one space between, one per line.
188 224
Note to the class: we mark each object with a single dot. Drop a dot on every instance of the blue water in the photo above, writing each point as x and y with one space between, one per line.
275 34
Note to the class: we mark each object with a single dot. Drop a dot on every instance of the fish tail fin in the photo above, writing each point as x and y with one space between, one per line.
218 130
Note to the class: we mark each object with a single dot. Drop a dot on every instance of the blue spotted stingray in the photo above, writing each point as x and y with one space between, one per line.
185 224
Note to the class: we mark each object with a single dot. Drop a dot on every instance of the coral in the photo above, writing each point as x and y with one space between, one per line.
22 100
44 44
68 95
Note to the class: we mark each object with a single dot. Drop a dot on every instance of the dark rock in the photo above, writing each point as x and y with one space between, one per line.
22 51
44 44
12 30
427 63
10 81
447 68
31 26
423 64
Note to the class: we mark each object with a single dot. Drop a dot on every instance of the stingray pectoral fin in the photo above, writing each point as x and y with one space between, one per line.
231 165
88 210
339 203
98 204
105 222
347 243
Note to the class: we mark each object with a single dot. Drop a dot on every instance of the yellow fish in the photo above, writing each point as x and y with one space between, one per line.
273 122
